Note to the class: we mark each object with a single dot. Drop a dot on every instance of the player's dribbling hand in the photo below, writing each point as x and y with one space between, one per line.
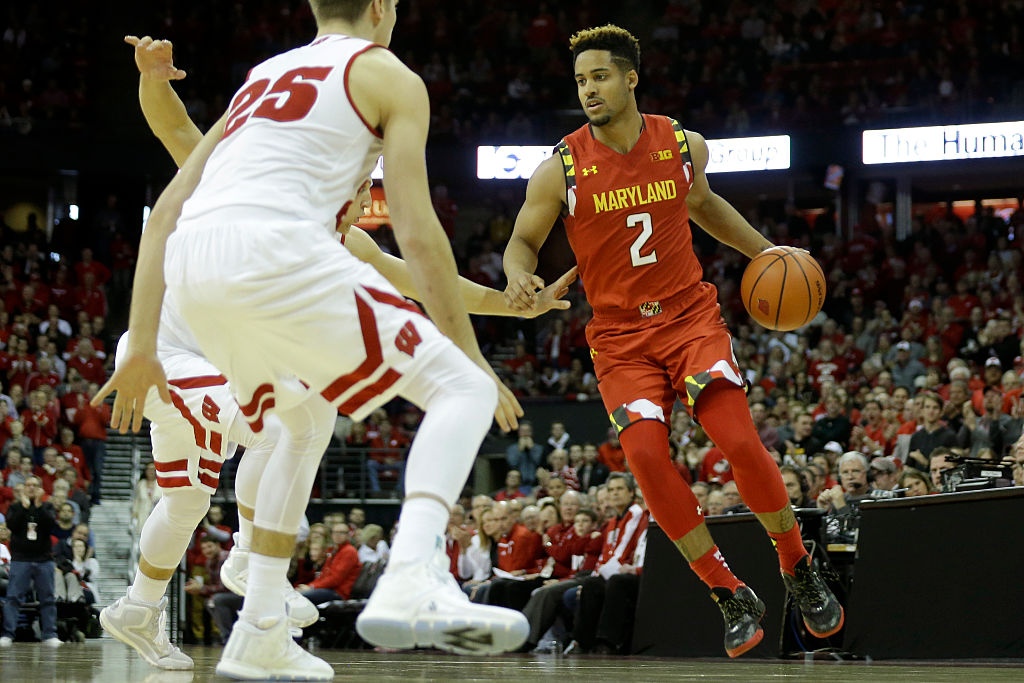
155 58
522 291
550 298
132 380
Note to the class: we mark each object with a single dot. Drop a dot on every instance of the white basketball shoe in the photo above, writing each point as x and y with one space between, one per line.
144 628
234 574
420 605
267 652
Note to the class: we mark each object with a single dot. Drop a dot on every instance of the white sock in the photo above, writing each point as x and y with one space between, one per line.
420 532
146 589
244 538
263 597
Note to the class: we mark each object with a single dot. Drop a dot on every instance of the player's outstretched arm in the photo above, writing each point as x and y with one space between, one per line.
140 368
478 299
402 112
715 215
164 111
545 196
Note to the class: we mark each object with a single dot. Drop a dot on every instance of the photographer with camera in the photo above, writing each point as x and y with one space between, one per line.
30 521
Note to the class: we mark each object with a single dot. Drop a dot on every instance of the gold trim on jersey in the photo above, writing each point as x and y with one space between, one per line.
684 146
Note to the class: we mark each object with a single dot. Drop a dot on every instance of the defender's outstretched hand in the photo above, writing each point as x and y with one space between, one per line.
550 298
131 380
155 58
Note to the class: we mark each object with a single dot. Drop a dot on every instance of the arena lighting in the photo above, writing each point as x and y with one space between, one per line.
73 211
944 143
518 162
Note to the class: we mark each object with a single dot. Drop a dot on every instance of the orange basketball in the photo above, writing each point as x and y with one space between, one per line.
783 288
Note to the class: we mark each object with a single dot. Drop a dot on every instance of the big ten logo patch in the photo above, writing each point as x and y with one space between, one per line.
211 411
662 155
408 339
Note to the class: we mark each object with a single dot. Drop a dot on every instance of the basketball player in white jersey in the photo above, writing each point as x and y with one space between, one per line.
269 294
195 434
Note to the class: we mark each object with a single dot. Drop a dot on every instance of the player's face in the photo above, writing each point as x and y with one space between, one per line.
357 209
603 88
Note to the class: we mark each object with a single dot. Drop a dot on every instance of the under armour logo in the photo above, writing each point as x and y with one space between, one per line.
588 171
467 638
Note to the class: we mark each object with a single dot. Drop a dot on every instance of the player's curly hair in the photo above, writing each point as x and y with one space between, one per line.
347 10
623 46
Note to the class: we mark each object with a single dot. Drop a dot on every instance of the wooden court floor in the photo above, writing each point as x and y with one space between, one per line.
110 662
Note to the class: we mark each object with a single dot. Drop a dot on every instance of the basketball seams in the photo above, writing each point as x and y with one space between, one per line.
782 290
810 297
753 287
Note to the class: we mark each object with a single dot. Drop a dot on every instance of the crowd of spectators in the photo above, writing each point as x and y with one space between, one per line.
498 71
55 352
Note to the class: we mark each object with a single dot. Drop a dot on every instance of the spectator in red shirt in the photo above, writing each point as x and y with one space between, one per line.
85 361
611 454
518 547
559 462
100 273
19 363
90 297
43 374
91 423
513 487
48 472
40 427
715 468
62 295
74 455
388 455
339 573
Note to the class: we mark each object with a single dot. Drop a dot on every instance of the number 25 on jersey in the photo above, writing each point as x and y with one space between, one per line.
290 99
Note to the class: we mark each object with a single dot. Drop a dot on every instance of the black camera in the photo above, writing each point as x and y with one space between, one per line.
974 474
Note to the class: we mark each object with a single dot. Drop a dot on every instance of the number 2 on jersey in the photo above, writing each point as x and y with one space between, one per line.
646 230
290 99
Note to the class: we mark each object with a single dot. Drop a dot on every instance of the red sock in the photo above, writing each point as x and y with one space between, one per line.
669 499
725 416
712 570
790 547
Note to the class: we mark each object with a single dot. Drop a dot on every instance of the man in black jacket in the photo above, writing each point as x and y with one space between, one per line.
30 522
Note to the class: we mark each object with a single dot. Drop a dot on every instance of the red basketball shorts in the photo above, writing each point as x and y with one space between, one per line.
643 365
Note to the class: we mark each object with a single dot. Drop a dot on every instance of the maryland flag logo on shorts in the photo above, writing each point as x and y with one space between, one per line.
720 370
634 411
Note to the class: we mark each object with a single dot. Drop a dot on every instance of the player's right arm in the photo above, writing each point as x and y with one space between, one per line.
140 368
402 112
164 111
478 299
545 196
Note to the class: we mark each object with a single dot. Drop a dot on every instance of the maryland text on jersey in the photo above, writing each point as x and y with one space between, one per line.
635 195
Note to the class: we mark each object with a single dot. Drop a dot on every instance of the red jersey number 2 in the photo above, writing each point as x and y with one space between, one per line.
290 99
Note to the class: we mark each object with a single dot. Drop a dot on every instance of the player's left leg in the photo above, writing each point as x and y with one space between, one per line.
638 394
725 416
259 646
138 619
234 573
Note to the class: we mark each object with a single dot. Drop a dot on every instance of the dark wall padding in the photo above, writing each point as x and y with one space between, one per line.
940 577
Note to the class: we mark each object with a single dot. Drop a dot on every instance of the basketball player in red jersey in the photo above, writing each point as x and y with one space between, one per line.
626 185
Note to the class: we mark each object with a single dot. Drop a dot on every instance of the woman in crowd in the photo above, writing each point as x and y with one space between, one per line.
916 482
372 546
147 493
